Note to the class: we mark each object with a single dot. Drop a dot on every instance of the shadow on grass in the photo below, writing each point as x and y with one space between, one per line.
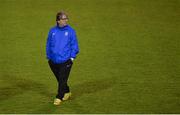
18 86
22 85
92 86
88 87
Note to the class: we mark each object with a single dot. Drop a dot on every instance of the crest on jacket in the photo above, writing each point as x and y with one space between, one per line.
66 34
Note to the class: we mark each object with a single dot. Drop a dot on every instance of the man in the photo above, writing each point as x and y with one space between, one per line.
61 50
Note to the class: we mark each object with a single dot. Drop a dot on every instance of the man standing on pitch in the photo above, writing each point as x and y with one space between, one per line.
61 50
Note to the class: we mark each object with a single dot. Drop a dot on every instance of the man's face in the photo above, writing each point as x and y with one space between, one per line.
63 21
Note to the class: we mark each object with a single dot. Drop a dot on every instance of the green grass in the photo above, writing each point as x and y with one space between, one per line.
128 61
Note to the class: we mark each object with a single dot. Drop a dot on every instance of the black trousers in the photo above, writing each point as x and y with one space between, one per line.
61 72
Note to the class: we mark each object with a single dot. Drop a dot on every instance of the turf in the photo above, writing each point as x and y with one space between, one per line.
128 61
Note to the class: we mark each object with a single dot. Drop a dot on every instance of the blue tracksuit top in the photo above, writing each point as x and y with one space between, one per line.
61 44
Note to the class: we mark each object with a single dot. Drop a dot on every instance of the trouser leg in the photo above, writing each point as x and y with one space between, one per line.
63 79
54 69
61 71
66 72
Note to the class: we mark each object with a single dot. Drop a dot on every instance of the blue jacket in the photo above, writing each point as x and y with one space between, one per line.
61 44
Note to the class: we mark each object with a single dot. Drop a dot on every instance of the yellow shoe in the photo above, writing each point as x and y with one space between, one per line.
66 96
57 101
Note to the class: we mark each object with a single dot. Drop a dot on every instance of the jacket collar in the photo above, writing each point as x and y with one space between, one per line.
62 28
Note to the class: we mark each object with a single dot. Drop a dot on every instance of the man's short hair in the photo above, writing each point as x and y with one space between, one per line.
60 15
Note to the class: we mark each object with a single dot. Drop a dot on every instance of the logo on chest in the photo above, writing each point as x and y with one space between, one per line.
66 33
53 34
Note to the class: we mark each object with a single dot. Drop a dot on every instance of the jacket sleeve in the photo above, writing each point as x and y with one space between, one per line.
48 45
74 45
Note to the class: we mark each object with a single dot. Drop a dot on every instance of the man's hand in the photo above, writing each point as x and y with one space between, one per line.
72 59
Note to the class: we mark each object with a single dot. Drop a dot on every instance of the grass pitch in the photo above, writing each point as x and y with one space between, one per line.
128 61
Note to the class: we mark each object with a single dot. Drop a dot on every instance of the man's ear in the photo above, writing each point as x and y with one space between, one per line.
58 21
